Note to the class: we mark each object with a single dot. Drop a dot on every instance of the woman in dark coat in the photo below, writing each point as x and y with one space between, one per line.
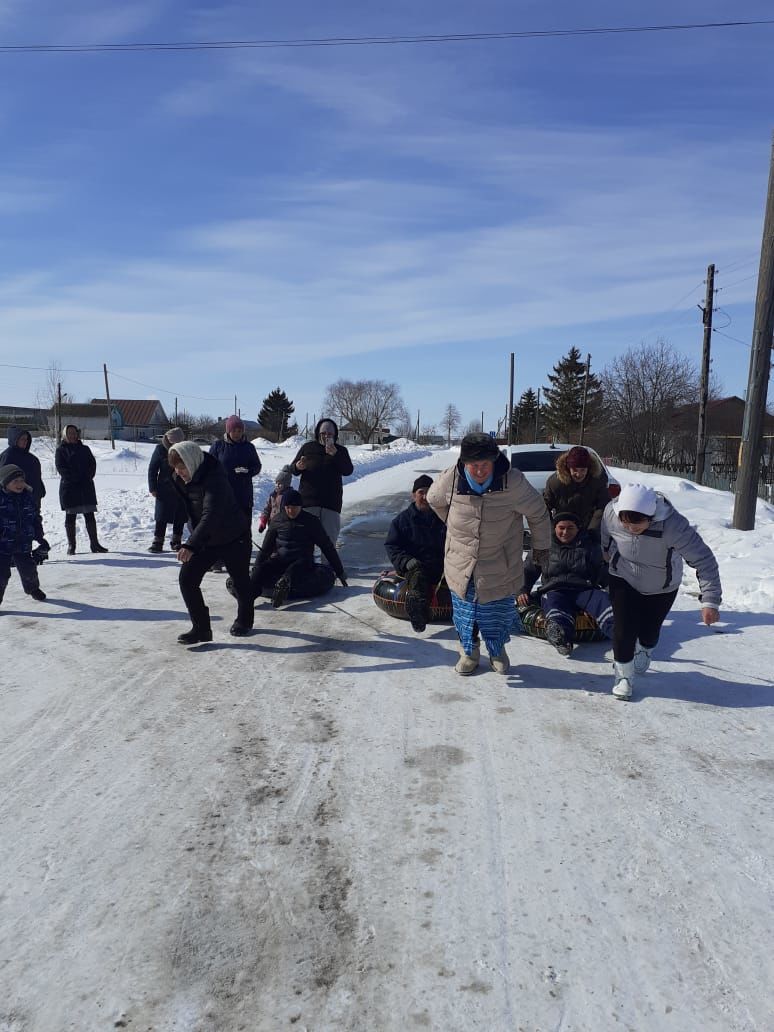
321 464
220 533
241 462
578 486
169 505
77 467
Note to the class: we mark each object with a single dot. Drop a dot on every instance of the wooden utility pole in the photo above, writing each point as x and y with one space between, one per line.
758 380
59 412
701 440
537 415
109 410
510 408
585 396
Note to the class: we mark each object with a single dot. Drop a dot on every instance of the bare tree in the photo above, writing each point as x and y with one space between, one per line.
47 399
642 389
367 405
426 434
450 421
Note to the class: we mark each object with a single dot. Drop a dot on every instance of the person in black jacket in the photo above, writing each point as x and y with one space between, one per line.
286 556
321 464
570 582
580 486
241 462
18 454
415 544
169 506
220 533
19 526
77 467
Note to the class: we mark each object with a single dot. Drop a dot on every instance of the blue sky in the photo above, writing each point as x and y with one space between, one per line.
220 223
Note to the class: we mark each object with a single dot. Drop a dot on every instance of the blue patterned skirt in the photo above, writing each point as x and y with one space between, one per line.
493 620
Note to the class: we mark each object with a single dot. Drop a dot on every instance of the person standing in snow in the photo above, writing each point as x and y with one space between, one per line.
321 464
569 583
77 468
220 532
483 503
645 540
19 527
169 505
18 453
415 544
240 461
273 505
578 486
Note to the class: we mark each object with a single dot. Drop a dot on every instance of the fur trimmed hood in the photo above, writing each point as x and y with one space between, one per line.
595 467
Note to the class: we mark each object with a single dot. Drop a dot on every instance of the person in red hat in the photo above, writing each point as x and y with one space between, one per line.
241 462
578 486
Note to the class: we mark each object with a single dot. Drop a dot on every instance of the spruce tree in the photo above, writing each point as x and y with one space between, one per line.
523 430
563 400
276 410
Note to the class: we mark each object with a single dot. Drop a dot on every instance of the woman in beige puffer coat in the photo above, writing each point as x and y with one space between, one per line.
483 503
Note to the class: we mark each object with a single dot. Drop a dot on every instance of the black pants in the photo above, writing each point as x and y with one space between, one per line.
306 578
636 617
235 556
161 530
28 572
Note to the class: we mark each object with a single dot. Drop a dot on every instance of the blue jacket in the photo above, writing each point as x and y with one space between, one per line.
238 455
19 522
417 535
24 459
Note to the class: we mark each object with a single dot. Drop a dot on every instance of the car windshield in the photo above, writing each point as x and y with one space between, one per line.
535 461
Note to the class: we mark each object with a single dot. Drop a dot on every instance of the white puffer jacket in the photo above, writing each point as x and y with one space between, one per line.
484 533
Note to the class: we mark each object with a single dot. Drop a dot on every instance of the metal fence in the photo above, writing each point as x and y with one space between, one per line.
720 482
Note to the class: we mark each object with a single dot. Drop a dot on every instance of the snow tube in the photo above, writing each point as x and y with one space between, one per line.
389 594
533 622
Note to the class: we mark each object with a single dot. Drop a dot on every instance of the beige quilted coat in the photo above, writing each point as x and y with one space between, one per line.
484 533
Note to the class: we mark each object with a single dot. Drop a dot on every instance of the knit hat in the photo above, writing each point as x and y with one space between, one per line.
637 498
174 436
284 477
9 473
292 497
578 458
422 482
191 454
561 517
234 423
477 446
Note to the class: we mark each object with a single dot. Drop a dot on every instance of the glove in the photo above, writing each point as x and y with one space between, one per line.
540 557
412 564
262 524
44 545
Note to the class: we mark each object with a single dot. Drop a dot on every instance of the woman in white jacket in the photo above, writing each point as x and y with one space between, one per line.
645 540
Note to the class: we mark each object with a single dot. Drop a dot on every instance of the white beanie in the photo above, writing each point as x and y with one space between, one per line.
190 453
637 498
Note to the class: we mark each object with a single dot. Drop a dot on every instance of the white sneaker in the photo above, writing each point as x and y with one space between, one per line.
467 664
624 679
500 663
641 658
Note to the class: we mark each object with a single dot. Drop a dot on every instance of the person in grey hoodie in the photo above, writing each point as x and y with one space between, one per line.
645 540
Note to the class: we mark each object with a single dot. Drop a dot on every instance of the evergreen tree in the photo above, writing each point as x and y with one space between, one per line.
276 410
524 418
563 400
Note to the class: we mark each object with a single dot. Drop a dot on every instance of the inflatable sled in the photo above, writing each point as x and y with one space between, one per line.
389 594
531 620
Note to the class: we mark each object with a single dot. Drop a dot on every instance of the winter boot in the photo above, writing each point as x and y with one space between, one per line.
557 636
642 657
624 679
70 532
176 543
195 635
417 610
91 529
38 595
156 546
467 664
280 594
500 663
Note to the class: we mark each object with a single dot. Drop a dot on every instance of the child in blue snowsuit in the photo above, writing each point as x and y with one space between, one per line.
19 526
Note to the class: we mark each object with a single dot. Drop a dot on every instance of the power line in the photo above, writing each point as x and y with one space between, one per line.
361 41
119 376
737 282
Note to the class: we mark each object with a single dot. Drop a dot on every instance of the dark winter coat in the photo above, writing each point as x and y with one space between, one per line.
212 510
19 522
320 483
15 455
577 565
77 467
169 505
417 535
291 540
234 455
587 499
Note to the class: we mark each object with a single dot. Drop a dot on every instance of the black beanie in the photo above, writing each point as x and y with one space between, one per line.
292 497
560 517
422 482
9 473
478 446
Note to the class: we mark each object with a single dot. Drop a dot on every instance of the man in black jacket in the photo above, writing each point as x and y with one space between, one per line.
570 582
286 556
415 544
321 464
221 533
